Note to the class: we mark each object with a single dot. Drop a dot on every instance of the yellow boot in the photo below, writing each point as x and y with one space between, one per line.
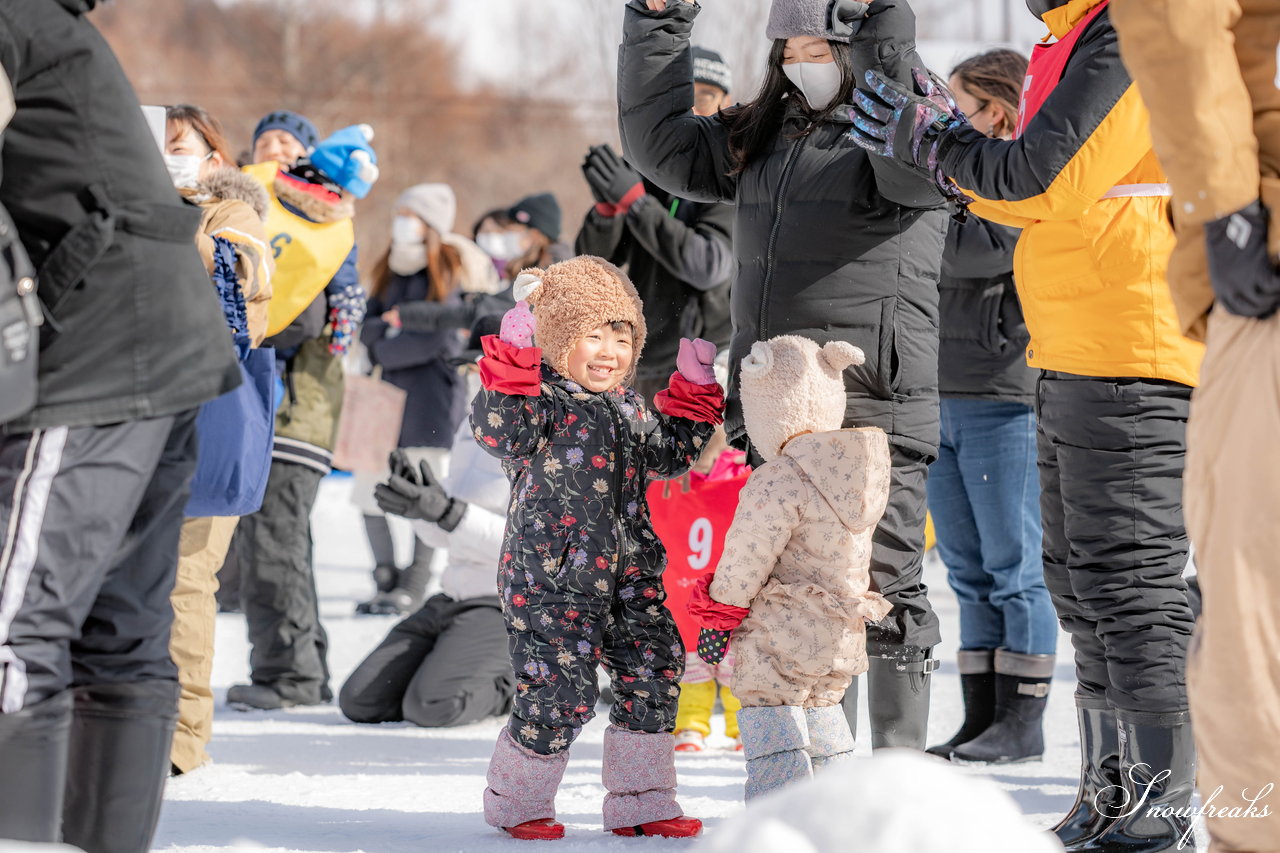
693 715
731 708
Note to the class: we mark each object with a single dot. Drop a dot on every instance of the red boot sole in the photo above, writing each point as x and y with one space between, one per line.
681 827
537 830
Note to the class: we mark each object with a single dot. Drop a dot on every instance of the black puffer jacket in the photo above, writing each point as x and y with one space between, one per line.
134 329
983 338
679 255
419 362
830 242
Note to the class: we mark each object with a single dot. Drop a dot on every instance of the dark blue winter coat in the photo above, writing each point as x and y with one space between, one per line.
418 363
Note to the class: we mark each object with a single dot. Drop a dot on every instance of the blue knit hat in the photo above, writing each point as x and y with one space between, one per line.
346 158
297 126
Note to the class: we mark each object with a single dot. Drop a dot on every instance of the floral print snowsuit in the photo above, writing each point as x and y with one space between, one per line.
581 570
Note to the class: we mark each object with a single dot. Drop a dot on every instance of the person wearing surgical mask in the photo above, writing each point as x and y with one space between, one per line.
426 267
233 207
830 243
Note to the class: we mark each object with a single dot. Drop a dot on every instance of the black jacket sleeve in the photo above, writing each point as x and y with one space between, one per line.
685 154
307 325
698 253
977 248
603 236
887 43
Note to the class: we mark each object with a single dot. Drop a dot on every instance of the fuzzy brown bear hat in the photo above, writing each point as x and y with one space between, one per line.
573 297
791 386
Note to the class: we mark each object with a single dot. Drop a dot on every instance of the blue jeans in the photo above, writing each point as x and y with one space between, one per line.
984 495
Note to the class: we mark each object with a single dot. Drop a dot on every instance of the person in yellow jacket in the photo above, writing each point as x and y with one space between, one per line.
1207 69
1082 181
234 208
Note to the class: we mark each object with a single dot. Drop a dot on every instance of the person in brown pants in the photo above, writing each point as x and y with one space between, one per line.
1207 70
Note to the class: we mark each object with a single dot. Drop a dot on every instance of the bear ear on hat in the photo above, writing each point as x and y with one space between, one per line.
838 355
759 362
528 283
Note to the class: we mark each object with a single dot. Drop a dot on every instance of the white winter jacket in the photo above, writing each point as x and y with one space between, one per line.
475 545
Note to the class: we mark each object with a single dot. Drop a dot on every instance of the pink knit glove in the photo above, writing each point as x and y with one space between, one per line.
518 326
695 359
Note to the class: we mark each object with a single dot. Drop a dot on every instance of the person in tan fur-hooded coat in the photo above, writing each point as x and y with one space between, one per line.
796 564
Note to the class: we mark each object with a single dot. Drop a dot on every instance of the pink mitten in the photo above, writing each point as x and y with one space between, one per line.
518 325
695 359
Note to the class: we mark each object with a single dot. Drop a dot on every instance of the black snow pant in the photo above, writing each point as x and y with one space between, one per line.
557 637
1111 455
89 526
90 519
897 562
445 665
278 589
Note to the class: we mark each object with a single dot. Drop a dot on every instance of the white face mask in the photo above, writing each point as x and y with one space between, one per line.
502 246
819 82
407 258
407 230
184 169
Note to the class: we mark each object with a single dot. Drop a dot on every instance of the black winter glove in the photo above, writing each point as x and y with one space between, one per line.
610 177
1245 279
597 191
410 493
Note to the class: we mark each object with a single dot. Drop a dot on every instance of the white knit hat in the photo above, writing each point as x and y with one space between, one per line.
434 204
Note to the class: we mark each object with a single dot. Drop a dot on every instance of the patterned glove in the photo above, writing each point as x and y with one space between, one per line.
713 645
346 313
695 359
893 121
1245 279
518 326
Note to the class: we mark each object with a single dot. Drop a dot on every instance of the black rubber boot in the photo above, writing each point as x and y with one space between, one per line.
410 590
118 764
385 573
1157 768
1099 772
33 769
978 687
898 690
1017 733
850 705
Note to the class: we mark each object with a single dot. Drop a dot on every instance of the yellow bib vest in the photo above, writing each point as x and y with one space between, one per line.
308 254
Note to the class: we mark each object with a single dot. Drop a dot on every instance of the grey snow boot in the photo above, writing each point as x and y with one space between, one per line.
829 737
33 769
775 742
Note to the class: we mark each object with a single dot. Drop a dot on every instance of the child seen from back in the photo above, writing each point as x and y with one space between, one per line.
580 575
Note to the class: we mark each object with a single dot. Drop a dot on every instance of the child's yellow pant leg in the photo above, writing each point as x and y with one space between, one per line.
696 702
731 708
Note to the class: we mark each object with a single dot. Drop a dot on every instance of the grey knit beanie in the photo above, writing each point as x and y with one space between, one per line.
434 204
789 18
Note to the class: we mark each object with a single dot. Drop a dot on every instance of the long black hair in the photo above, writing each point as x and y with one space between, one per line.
754 126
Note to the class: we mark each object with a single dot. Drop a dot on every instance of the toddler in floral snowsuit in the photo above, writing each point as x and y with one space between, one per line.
580 576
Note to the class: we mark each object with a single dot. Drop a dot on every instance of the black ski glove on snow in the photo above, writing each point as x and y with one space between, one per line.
417 494
611 179
1245 279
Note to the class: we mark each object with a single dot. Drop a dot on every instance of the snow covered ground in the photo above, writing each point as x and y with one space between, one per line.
307 780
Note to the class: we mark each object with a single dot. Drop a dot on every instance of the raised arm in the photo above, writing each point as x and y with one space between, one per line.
685 154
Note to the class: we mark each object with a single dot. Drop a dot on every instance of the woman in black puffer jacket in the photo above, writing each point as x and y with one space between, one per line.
831 244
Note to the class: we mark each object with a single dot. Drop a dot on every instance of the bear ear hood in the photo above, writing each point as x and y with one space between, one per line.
527 284
838 355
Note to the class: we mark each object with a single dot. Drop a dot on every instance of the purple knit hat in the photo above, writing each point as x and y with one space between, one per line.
789 18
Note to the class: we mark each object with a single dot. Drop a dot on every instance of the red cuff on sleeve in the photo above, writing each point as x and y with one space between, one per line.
510 369
684 399
633 195
711 614
607 210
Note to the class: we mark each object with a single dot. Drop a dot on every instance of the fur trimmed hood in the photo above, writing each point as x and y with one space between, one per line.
230 184
312 207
